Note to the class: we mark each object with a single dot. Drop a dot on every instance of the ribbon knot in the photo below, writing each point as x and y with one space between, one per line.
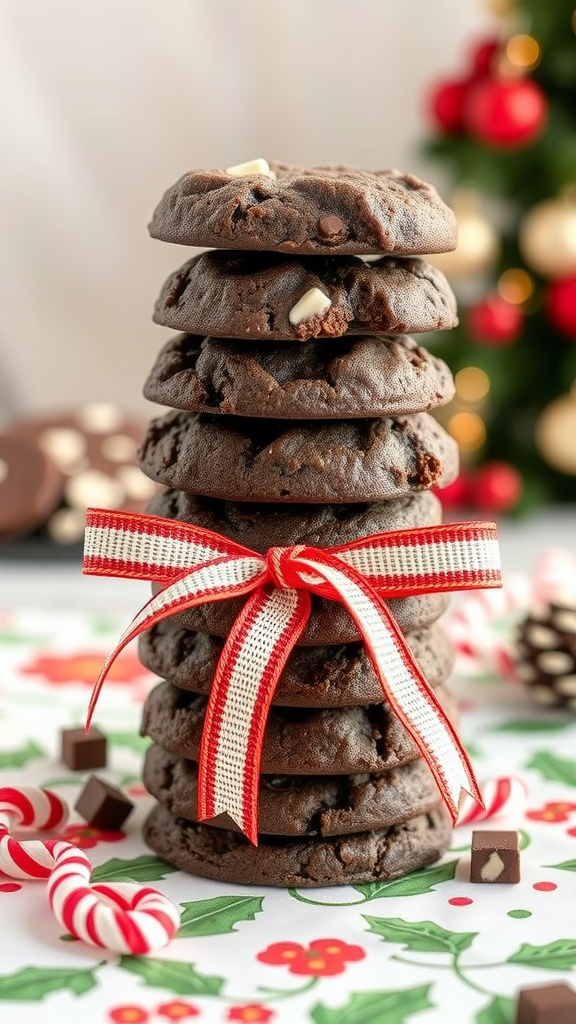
195 566
282 567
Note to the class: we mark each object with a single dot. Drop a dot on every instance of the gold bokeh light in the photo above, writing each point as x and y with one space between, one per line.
467 428
523 51
472 385
516 286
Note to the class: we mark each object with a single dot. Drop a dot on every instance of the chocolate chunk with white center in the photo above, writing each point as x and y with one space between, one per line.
273 206
546 1004
495 857
546 653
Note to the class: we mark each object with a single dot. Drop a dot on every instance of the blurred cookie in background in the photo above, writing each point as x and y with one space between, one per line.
89 454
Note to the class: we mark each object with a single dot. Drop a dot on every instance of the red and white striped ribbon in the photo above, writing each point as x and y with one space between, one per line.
123 918
195 566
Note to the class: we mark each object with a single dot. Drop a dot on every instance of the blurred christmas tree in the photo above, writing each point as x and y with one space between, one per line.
504 132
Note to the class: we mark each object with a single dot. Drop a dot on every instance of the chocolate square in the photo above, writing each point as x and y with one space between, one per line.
82 751
495 857
102 805
546 1004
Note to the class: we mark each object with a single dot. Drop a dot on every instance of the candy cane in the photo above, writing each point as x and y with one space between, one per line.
506 793
123 918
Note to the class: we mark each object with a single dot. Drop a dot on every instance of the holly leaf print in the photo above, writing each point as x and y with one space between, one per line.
217 916
566 865
415 884
555 956
129 740
500 1011
420 936
21 756
31 984
371 1007
556 769
177 976
146 868
523 725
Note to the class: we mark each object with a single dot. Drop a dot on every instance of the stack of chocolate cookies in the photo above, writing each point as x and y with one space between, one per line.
299 414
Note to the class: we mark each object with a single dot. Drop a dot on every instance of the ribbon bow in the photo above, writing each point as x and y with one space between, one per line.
194 566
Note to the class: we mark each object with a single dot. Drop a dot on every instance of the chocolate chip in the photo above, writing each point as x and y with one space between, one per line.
546 1004
332 229
82 751
102 805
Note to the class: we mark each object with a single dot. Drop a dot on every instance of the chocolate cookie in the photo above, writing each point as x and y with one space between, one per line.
262 526
346 378
297 741
321 677
267 297
314 210
30 486
293 461
350 860
301 805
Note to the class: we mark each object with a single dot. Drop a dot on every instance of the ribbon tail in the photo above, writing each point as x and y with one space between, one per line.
403 684
222 578
250 665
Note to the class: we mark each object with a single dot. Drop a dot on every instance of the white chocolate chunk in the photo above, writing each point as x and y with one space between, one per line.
313 303
258 166
566 686
543 694
66 446
541 636
100 417
3 470
526 671
92 487
565 620
555 662
493 868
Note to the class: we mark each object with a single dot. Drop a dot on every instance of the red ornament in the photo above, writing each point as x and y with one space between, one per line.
561 306
494 321
496 487
482 55
455 494
447 105
505 113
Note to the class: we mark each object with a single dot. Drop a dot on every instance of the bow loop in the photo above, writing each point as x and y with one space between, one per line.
196 565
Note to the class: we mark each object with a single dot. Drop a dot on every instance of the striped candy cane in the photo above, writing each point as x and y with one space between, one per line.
505 794
121 917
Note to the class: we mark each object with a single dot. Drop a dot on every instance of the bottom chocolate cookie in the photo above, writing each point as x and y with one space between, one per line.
304 805
347 860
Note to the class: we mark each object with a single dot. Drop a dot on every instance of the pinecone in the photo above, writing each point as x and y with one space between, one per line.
546 653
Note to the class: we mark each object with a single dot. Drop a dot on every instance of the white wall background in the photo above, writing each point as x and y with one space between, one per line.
103 103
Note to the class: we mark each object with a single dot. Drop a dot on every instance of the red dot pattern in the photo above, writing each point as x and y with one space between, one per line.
544 886
460 901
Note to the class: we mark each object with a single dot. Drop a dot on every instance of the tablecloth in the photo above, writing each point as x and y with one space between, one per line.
430 948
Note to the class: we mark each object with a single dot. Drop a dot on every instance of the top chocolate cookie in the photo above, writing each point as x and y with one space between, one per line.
310 211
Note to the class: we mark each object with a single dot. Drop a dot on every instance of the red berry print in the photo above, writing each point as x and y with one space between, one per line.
177 1010
10 887
545 886
460 901
322 957
251 1013
128 1015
